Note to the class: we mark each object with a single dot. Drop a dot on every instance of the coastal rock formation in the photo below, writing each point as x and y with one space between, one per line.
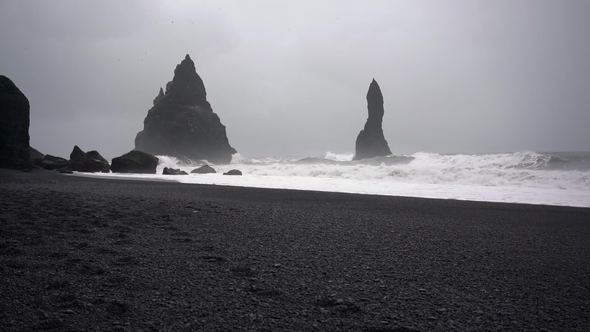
14 126
182 124
135 162
36 156
205 169
159 97
173 171
233 172
90 161
371 142
52 162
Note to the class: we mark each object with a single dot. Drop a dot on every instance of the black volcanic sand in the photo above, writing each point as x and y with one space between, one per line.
81 253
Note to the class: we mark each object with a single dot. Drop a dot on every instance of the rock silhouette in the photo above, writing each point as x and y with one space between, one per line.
371 142
90 161
182 123
36 156
233 172
205 169
54 163
135 162
14 126
173 171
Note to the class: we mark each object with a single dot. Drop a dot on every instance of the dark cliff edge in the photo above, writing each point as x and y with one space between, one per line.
14 126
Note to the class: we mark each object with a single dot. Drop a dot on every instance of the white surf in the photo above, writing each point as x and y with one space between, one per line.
523 177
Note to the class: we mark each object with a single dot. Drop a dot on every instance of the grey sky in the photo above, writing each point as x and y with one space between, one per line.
291 77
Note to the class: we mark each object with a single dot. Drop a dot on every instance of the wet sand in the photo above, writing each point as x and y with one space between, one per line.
79 253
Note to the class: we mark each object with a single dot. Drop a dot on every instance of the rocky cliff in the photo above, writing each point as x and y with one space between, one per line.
14 126
182 124
371 142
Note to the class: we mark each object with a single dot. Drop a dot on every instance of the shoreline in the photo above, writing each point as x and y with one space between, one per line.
79 253
420 191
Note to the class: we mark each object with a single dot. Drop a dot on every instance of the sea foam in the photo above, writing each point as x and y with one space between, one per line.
523 177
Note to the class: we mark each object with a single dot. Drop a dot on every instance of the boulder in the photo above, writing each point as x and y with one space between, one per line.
173 171
90 161
77 154
182 123
135 162
52 162
95 155
371 142
233 172
14 126
205 169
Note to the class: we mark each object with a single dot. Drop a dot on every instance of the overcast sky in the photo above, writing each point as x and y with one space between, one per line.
291 77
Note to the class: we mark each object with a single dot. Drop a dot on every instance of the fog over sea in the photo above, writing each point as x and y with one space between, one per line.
561 178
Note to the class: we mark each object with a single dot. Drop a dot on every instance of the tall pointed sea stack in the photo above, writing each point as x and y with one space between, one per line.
182 124
370 142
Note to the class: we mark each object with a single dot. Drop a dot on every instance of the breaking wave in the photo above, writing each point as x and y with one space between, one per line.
521 177
521 169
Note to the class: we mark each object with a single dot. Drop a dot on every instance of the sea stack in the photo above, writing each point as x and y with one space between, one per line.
14 126
182 124
371 142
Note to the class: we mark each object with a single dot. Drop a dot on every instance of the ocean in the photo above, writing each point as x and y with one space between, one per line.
561 178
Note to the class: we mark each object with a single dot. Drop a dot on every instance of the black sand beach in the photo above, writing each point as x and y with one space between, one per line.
83 254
